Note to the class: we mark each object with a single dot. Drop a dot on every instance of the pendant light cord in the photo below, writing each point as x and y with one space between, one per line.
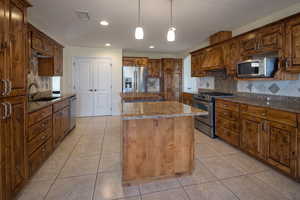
171 16
139 13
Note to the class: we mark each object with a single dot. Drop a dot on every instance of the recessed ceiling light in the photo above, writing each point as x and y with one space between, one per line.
104 23
107 44
151 47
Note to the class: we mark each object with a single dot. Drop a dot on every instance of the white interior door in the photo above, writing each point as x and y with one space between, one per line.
92 82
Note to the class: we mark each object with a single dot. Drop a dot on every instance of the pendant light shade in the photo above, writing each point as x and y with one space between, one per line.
139 31
171 32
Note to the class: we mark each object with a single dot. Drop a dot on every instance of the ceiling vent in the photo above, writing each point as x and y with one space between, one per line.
83 15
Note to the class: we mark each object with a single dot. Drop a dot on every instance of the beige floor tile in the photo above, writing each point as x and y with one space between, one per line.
80 165
111 148
50 169
205 150
35 190
221 168
200 175
222 148
132 198
160 185
77 188
245 163
174 194
86 149
279 182
110 162
109 186
251 188
202 138
210 191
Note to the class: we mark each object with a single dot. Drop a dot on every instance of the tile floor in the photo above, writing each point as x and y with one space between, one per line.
86 166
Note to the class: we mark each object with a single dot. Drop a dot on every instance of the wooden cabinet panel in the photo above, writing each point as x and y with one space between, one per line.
255 111
271 38
17 68
298 119
38 140
248 43
39 115
3 44
60 105
282 147
187 99
219 37
228 124
213 59
16 128
227 114
282 117
197 60
231 53
229 136
2 182
135 61
252 139
292 44
57 127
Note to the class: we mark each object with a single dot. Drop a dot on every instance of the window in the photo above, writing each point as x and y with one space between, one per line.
56 84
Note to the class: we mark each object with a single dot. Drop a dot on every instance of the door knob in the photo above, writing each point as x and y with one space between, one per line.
91 90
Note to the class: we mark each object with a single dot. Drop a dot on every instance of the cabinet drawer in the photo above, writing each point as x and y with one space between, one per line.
39 156
228 136
227 114
39 140
60 105
40 127
228 105
298 121
230 125
254 110
282 117
39 115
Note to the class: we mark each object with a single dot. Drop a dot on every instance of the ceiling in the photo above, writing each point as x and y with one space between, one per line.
194 20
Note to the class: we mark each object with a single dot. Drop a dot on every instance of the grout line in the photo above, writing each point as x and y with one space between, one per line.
99 163
182 186
46 195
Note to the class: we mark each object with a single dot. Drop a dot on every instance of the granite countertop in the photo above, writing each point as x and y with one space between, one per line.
289 106
140 95
145 110
36 105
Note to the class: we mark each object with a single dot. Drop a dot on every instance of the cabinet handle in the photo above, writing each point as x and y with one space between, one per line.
9 87
5 110
287 63
10 110
5 83
43 149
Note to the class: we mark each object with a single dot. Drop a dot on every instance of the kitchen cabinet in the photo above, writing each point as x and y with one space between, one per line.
282 147
265 133
220 37
252 135
196 62
187 98
248 43
16 65
135 61
231 53
3 43
172 65
154 68
213 59
292 53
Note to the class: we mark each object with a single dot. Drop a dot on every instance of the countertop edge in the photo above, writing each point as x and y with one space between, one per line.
162 116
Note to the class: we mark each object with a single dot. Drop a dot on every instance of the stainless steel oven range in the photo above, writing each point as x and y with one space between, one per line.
206 101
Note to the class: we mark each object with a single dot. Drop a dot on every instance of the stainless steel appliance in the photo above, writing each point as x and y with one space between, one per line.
206 101
73 112
258 67
134 79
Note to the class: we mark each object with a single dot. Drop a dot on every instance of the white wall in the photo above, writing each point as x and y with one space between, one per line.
115 54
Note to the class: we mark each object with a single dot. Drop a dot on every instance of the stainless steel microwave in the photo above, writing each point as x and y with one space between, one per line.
261 67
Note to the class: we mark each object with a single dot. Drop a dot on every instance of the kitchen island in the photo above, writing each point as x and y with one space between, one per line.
157 140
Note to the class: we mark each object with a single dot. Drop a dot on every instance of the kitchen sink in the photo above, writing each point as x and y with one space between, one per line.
45 99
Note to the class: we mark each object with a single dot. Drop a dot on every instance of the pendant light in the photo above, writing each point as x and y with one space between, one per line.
139 32
171 32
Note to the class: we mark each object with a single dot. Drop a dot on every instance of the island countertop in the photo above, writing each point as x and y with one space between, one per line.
165 109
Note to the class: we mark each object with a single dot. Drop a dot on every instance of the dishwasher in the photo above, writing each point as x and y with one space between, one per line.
72 112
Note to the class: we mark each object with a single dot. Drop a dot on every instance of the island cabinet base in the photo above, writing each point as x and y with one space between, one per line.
157 148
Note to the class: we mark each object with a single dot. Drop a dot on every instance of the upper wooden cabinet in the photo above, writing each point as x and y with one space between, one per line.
231 53
292 52
154 68
51 61
172 65
196 61
135 61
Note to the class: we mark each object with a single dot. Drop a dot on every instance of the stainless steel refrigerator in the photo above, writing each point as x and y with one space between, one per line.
134 79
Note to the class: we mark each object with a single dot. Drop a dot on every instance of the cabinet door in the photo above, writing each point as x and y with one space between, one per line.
154 68
3 45
66 120
169 65
252 130
282 147
292 45
58 61
197 61
270 38
16 129
248 44
231 53
17 35
57 127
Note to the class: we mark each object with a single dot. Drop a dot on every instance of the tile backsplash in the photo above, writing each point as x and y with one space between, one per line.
43 82
228 84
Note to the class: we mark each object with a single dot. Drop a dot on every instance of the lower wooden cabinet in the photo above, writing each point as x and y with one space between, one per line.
187 98
281 147
270 135
61 121
252 130
2 182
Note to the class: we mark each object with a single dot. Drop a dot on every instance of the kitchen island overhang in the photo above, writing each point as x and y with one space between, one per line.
157 140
